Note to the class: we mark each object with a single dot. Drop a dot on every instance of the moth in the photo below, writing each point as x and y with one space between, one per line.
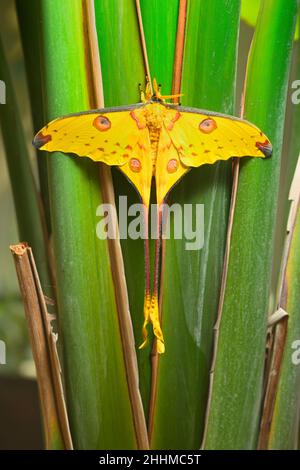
153 139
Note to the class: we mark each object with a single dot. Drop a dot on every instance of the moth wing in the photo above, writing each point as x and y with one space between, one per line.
203 137
104 136
115 137
169 168
138 168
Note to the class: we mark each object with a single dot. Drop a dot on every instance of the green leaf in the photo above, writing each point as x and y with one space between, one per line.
122 70
160 27
284 429
94 372
191 279
237 386
26 198
250 10
29 28
284 432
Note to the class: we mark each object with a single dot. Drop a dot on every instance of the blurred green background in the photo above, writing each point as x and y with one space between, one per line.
13 329
19 405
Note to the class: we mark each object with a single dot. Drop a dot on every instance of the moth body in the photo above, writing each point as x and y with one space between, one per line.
154 115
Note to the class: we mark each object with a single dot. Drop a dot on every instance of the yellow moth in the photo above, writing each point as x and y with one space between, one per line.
153 139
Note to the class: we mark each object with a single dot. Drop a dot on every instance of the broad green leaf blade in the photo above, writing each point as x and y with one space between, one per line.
250 10
26 199
290 155
285 423
27 208
160 27
284 432
95 377
293 132
191 279
237 387
29 27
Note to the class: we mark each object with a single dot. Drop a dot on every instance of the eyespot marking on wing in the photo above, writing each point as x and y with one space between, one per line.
207 125
172 165
102 123
135 165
